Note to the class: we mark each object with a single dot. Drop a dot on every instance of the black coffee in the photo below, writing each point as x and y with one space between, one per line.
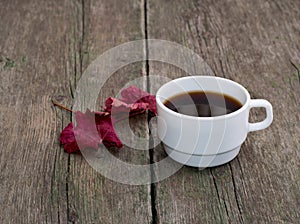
203 104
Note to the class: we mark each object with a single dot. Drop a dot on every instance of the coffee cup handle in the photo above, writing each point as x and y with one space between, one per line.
269 115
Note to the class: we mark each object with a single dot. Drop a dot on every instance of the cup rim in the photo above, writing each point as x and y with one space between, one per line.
244 107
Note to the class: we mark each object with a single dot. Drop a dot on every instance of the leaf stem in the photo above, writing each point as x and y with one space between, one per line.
62 107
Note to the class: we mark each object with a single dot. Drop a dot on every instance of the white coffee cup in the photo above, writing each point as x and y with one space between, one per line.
206 141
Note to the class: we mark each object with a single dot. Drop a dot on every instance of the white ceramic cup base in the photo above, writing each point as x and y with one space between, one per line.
202 161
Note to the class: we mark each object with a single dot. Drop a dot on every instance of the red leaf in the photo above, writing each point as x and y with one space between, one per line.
134 100
117 107
67 138
94 128
86 130
107 132
133 94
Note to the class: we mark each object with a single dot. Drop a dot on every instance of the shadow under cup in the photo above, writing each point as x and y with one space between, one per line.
206 141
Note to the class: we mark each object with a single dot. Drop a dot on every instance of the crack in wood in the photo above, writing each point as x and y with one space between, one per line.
54 171
52 184
67 189
217 191
69 217
71 90
236 193
71 214
82 35
297 69
151 143
75 61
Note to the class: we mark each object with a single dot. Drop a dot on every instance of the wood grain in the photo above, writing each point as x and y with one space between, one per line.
45 48
92 197
33 166
52 44
253 43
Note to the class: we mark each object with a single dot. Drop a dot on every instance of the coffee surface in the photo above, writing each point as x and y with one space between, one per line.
203 104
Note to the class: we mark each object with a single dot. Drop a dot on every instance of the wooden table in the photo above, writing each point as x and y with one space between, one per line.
46 46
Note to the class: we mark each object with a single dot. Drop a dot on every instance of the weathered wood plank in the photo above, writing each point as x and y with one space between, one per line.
40 183
51 44
254 44
92 197
33 166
